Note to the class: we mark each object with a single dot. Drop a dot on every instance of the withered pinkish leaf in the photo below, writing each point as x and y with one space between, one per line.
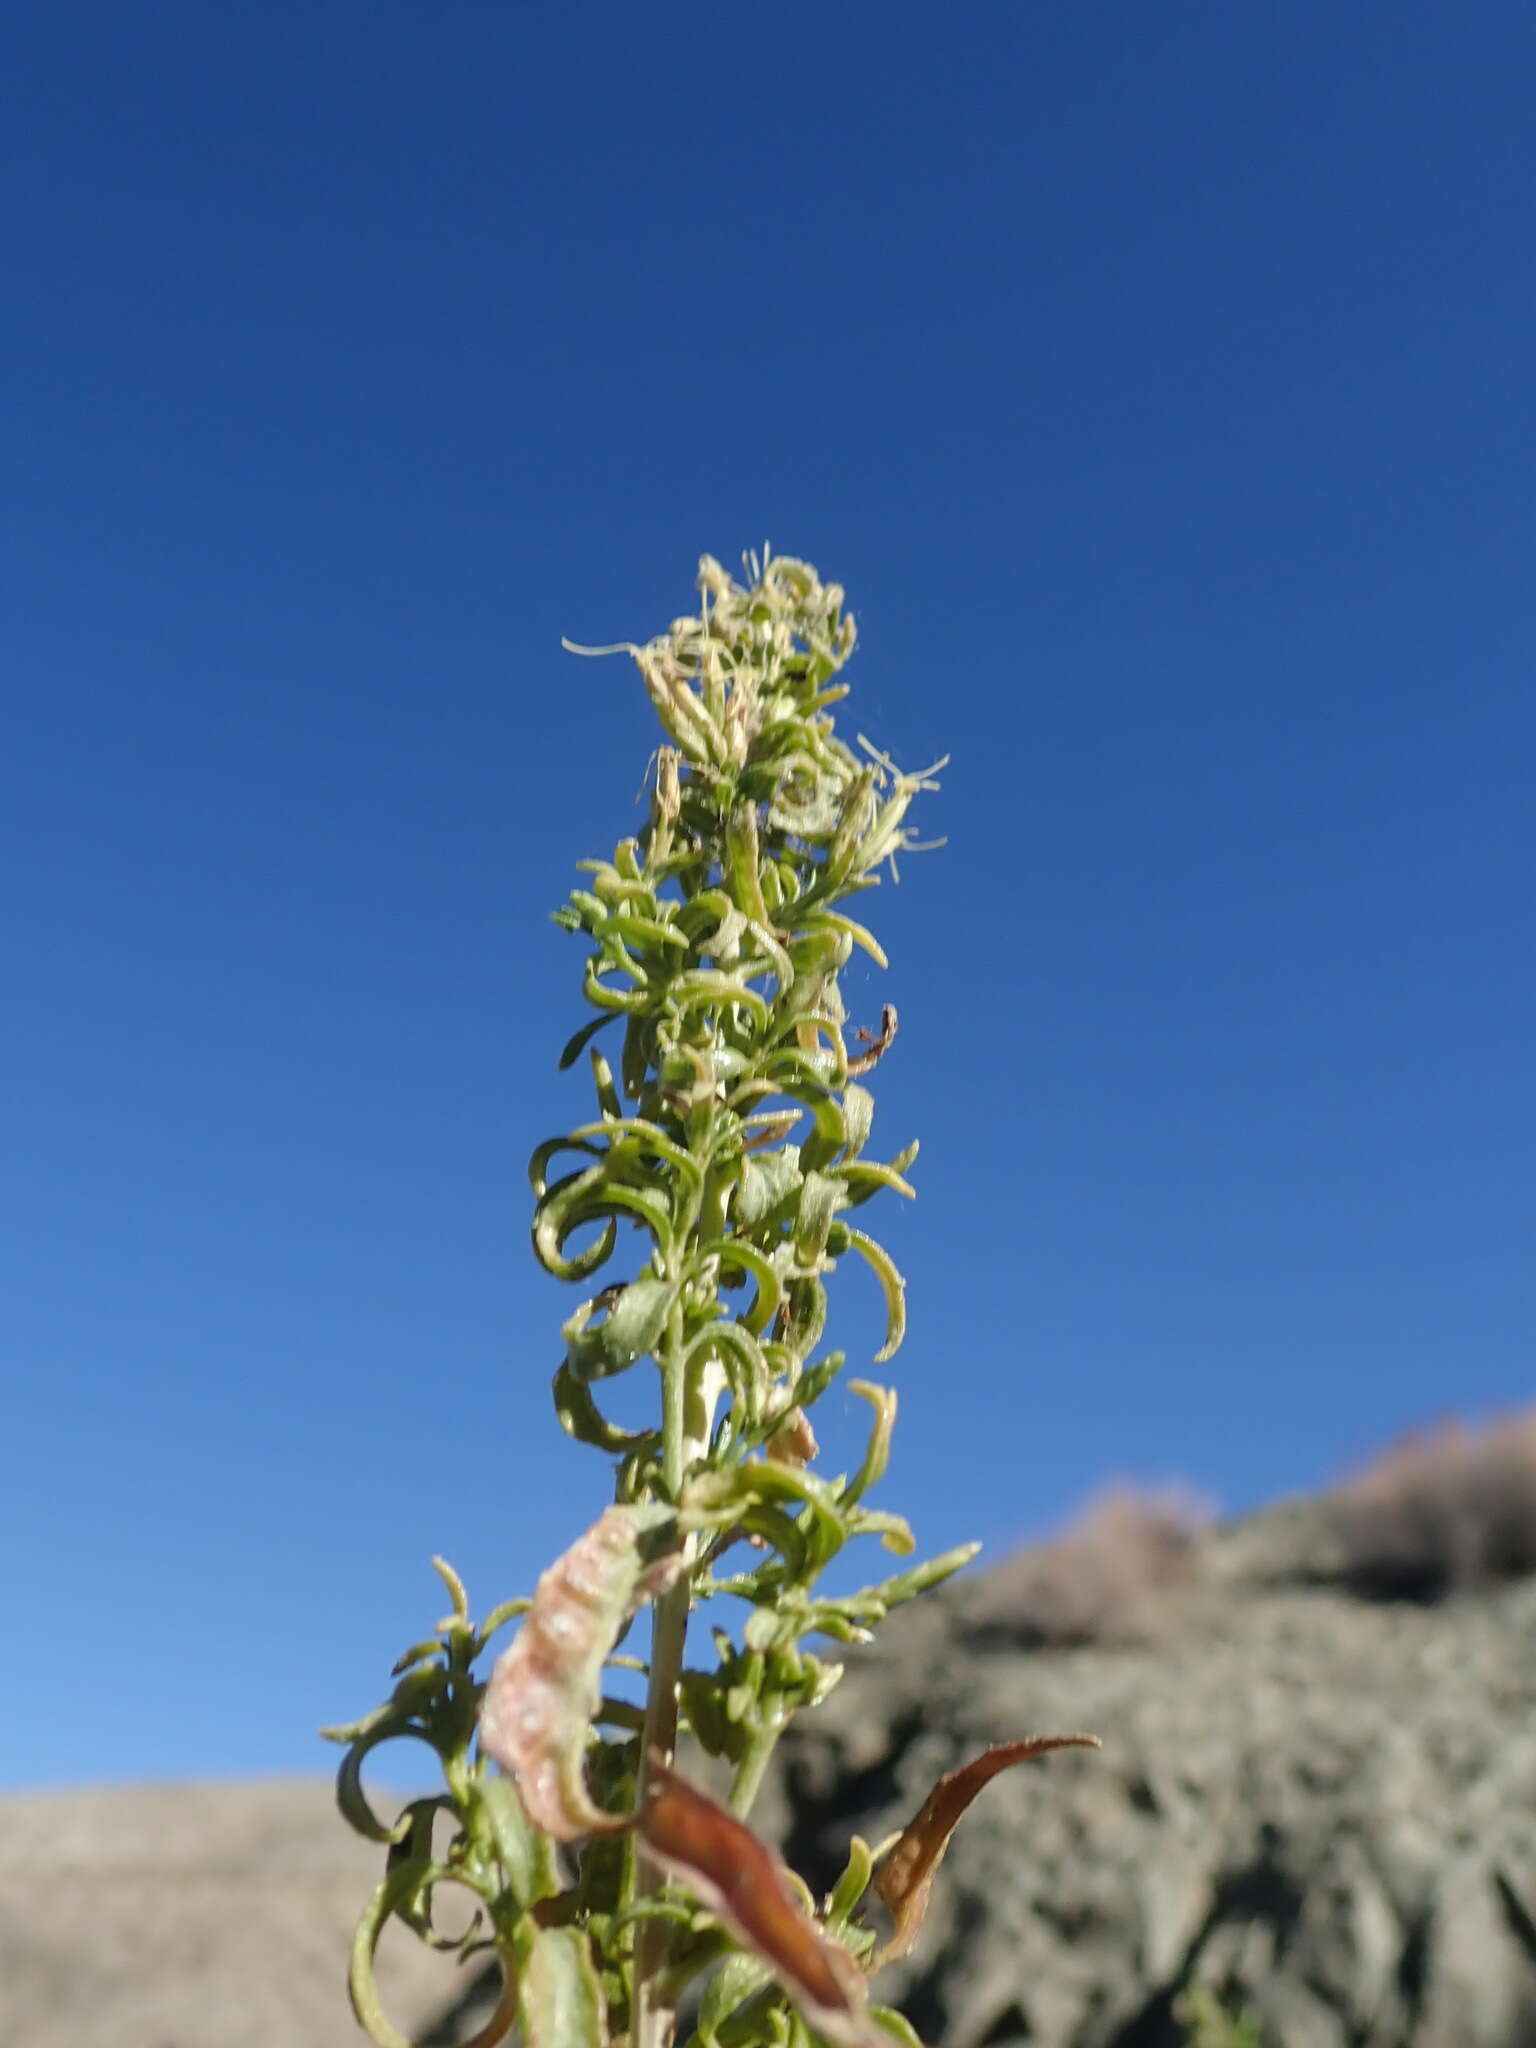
546 1688
750 1892
905 1877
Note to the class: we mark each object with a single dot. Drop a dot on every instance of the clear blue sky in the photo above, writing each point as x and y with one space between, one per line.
1158 381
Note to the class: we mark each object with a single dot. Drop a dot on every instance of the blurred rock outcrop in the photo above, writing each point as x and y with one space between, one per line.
1319 1804
191 1916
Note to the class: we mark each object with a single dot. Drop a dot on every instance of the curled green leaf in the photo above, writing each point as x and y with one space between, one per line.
892 1286
593 1195
735 1255
581 1418
719 1498
706 988
560 1214
455 1585
742 1358
393 1894
352 1800
878 1455
894 1531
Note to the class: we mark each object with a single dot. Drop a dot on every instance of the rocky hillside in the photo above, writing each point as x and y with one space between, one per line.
1317 1796
1320 1804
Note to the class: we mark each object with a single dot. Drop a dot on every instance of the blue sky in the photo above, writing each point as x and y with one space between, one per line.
1158 382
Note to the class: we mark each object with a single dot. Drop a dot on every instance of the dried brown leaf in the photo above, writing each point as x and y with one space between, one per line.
751 1893
905 1877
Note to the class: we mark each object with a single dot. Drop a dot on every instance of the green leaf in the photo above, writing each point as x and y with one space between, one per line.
894 1531
712 1727
892 1286
907 1585
715 1496
819 1199
736 1980
807 1316
455 1585
631 1328
742 863
597 991
593 1196
858 1119
878 1454
741 1355
737 1255
576 1044
852 1885
526 1855
418 1653
562 1999
632 929
350 1796
411 1881
768 1181
896 2025
863 1178
815 1380
633 1142
707 988
581 1418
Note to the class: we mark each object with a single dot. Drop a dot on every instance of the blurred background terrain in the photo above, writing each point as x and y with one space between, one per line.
1315 1805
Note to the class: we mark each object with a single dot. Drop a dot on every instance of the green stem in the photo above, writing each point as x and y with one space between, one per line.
749 1772
654 2015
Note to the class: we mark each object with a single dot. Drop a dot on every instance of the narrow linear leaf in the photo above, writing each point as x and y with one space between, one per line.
577 1043
907 1585
905 1877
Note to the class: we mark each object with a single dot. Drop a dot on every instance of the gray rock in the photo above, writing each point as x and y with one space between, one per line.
1323 1807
